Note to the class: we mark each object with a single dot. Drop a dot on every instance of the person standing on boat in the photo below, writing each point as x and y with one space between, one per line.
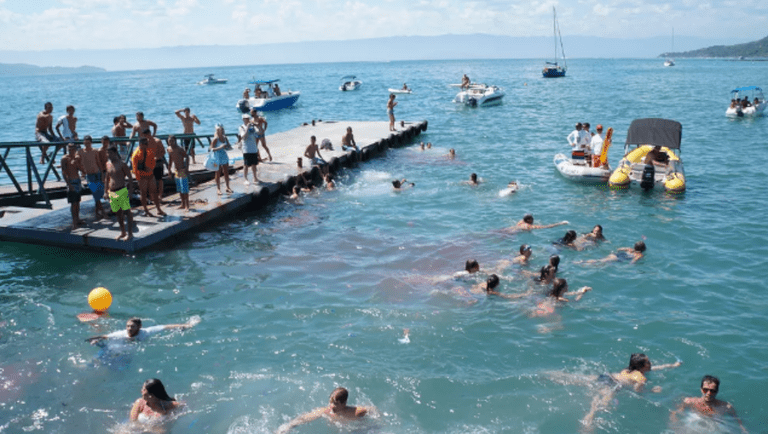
574 136
188 120
391 111
596 145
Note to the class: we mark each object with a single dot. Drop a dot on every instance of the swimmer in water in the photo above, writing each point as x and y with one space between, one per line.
451 154
398 185
134 332
525 254
708 404
608 384
568 240
154 402
590 238
472 180
623 254
337 410
526 224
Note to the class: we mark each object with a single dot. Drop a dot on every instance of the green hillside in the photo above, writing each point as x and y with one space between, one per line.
7 69
756 49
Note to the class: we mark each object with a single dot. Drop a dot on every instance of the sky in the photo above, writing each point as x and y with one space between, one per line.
34 25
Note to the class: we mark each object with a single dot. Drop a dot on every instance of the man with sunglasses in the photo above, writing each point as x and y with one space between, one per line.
708 404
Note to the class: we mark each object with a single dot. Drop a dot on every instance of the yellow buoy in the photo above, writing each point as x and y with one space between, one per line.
100 299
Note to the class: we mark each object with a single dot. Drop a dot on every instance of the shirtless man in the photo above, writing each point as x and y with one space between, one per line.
313 152
118 130
143 162
94 171
623 254
337 410
117 172
708 404
160 163
44 130
465 82
188 120
348 140
179 161
71 167
142 124
261 126
526 224
69 123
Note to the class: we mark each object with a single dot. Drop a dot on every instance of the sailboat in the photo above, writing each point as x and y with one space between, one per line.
670 61
552 69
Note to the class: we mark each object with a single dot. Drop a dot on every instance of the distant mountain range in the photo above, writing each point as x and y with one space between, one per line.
394 48
751 50
24 69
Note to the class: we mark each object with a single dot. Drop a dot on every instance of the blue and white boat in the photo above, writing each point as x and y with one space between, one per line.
350 82
210 80
552 69
270 98
480 95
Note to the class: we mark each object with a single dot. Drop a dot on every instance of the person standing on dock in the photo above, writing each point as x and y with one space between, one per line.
391 111
179 160
94 171
158 172
261 127
188 120
248 137
218 148
117 172
143 162
71 167
44 130
142 124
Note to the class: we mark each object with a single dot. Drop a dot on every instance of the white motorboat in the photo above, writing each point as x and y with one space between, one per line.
400 91
350 82
210 80
579 168
669 62
746 102
270 99
480 95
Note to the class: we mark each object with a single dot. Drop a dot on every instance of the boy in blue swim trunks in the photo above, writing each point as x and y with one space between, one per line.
71 167
179 166
94 169
117 172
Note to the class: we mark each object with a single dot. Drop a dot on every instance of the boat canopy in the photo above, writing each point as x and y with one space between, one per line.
267 82
742 89
348 77
656 132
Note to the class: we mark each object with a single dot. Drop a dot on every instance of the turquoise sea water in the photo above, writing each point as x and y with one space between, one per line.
297 299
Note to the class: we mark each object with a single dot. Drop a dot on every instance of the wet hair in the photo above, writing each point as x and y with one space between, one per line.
155 388
554 261
396 183
491 283
339 396
601 230
528 218
135 320
544 273
710 379
88 137
473 177
637 361
559 287
105 138
470 264
296 189
639 246
569 237
116 119
523 248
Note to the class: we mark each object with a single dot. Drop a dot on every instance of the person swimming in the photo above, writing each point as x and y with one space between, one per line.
623 254
154 402
568 239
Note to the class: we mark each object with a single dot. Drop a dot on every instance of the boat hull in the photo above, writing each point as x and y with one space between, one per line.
400 91
351 85
748 112
580 173
285 100
480 96
550 72
633 171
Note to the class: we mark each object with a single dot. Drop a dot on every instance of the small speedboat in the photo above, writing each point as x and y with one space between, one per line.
480 95
403 90
210 80
746 102
350 82
669 62
577 168
270 98
661 138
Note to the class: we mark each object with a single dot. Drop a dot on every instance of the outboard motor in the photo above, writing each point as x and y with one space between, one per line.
472 102
648 177
243 106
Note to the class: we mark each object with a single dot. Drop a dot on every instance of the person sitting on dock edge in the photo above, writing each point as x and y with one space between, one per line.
348 140
313 153
44 131
179 161
69 124
117 193
71 167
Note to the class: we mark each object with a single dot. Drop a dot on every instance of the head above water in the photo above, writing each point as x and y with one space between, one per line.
339 397
528 218
559 287
569 237
133 326
473 177
491 283
471 266
711 379
525 249
554 261
155 388
639 246
639 362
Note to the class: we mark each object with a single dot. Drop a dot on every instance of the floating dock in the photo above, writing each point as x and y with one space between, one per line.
54 226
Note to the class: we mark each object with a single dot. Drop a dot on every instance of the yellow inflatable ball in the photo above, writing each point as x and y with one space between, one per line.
100 299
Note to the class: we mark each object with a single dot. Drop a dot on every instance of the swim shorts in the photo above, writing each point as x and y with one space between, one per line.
318 161
118 200
182 185
46 137
73 194
251 159
95 185
158 172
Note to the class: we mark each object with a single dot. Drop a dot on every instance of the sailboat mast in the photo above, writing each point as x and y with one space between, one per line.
554 30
